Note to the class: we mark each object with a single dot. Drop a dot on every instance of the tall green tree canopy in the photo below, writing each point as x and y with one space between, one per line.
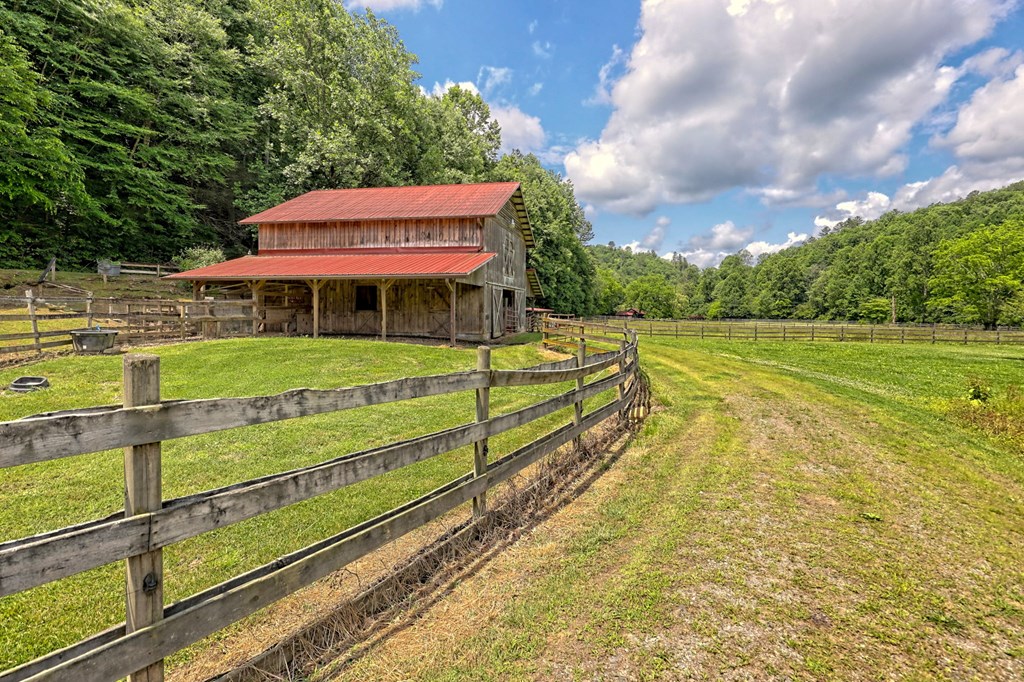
978 274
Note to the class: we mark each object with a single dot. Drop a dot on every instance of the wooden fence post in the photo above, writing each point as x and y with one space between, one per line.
581 359
812 331
650 330
755 331
142 494
88 310
483 409
783 332
903 332
933 332
872 334
31 301
842 332
622 370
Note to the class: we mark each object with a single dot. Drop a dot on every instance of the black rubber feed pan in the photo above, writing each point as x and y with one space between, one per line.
26 384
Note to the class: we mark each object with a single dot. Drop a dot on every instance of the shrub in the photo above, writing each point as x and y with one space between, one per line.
199 256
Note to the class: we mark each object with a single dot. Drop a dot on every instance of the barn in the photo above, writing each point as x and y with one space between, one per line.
442 261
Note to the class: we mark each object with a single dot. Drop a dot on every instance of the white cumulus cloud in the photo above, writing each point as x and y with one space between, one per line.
707 250
519 130
720 94
759 248
440 88
654 238
490 77
987 140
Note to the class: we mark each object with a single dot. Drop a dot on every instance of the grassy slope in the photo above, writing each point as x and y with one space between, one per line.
50 495
14 282
813 521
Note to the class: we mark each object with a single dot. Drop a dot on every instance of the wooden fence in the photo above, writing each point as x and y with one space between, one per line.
136 320
816 331
152 630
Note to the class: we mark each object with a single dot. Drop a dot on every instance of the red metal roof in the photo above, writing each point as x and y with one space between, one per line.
351 266
384 203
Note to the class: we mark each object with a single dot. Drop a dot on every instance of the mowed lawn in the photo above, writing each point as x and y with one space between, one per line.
51 495
789 511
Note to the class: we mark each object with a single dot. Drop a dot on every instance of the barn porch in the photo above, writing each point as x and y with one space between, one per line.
434 295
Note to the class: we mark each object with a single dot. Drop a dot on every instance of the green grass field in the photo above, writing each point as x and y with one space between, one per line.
789 511
51 495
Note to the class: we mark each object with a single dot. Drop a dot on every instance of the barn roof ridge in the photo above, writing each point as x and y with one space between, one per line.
470 200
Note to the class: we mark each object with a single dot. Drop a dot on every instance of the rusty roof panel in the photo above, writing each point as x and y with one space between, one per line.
350 266
386 203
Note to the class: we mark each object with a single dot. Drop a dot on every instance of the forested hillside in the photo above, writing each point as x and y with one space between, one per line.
134 129
958 262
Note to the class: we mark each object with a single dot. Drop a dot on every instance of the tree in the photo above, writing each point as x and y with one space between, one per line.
732 292
343 100
36 172
462 141
135 110
654 295
778 286
611 294
875 310
978 274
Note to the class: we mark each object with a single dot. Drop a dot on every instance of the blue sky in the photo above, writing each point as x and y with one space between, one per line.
706 126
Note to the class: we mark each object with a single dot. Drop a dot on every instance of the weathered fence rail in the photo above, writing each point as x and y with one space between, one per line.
136 320
815 331
153 631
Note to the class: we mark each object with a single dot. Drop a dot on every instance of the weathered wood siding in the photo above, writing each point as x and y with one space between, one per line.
415 308
373 234
506 272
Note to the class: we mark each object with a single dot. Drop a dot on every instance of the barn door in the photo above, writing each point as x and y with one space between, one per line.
497 314
520 312
439 311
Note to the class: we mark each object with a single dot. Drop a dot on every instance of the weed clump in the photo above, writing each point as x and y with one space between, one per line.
978 391
998 414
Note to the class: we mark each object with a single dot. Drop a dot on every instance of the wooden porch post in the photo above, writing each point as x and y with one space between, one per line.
315 285
256 285
453 287
385 284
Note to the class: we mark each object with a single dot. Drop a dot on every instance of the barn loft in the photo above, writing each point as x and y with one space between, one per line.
444 261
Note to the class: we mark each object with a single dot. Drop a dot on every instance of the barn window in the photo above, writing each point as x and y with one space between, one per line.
366 299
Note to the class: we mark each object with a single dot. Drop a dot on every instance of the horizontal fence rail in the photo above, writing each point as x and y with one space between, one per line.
153 631
135 320
771 330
